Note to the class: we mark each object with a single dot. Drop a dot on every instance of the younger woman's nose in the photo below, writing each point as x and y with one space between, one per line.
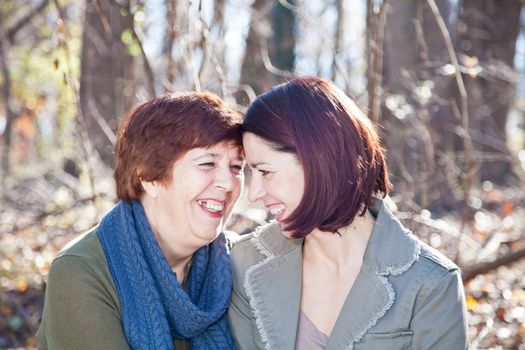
255 189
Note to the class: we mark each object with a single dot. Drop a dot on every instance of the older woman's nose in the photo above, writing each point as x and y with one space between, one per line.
226 179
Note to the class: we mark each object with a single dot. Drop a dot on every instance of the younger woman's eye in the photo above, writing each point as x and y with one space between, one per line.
264 172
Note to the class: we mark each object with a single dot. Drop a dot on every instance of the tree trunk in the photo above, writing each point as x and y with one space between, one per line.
9 114
398 114
267 57
218 22
171 35
106 83
401 54
339 34
253 73
487 32
282 44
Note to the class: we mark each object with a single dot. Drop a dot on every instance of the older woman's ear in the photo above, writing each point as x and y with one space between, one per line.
151 188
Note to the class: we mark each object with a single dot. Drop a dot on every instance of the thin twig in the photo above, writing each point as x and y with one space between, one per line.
150 77
37 220
209 44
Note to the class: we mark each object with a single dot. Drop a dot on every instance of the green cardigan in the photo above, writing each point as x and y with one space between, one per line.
82 307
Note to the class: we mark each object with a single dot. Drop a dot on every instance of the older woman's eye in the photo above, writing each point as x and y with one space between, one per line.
237 169
207 165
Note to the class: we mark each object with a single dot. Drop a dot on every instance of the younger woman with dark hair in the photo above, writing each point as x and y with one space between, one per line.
336 270
155 274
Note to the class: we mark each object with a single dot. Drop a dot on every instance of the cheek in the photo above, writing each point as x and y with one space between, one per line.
295 190
239 186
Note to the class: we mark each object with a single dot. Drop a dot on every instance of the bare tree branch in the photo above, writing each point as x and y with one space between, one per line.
11 32
214 59
470 273
150 77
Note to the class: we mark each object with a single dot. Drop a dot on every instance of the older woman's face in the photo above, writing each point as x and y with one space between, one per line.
205 185
277 177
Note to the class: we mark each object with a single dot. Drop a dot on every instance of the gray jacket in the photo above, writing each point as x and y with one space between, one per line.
406 296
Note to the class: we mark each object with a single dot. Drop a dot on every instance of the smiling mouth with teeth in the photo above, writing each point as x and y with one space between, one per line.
276 210
212 206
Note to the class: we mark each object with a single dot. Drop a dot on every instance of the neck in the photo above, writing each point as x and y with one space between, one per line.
343 249
175 248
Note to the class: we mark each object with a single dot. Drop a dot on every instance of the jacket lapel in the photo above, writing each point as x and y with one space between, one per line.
274 287
391 250
370 297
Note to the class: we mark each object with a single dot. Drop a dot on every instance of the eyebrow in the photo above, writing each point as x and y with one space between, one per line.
213 155
255 165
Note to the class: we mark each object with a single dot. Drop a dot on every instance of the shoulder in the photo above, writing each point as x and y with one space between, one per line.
432 275
249 250
86 245
81 261
435 262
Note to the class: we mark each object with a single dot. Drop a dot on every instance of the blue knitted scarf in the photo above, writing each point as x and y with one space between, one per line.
155 308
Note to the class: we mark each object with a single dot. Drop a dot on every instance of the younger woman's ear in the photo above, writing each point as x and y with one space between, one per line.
151 188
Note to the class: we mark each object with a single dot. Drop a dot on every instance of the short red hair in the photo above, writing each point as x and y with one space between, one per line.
158 132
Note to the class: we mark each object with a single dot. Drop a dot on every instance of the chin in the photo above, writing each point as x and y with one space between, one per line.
211 234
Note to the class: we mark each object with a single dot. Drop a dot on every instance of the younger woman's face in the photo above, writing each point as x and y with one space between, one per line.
277 178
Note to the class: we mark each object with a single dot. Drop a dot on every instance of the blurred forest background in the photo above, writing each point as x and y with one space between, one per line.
445 80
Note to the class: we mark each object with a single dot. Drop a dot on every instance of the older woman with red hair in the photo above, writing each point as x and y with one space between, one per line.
336 270
155 274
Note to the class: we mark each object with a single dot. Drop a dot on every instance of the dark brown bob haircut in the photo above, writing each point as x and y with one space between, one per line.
335 143
160 131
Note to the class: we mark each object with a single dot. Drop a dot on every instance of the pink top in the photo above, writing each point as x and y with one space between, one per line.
308 336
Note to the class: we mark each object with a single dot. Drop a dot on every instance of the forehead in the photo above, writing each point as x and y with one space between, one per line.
218 150
256 146
259 151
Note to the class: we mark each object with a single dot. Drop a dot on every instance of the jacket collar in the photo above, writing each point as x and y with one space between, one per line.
274 285
392 248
